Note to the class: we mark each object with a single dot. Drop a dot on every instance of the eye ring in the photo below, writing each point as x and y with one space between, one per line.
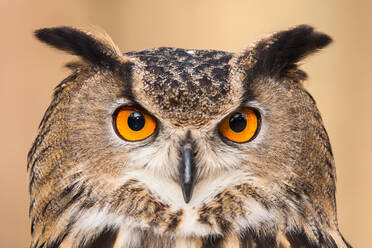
133 124
241 126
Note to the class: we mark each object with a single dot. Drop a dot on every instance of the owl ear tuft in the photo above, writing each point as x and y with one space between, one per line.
272 56
92 46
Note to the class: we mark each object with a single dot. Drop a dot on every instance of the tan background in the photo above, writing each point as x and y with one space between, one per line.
339 79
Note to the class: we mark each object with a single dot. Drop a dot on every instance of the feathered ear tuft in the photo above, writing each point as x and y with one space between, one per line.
273 55
93 47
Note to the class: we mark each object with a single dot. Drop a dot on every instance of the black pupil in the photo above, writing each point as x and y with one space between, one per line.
136 121
238 122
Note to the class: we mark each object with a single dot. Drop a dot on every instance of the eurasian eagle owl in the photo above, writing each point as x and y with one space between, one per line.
171 147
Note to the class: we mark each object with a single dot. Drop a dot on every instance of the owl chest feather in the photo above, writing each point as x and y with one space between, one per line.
231 242
242 240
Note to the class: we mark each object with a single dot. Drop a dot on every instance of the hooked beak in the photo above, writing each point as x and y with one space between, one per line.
187 172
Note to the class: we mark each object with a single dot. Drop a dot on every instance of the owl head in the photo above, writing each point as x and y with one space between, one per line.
147 148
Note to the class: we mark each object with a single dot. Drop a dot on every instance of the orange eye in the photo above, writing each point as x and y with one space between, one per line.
133 125
240 126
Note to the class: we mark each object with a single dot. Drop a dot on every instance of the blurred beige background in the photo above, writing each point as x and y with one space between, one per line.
339 79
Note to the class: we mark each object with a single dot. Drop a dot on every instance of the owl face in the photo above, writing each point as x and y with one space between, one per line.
168 144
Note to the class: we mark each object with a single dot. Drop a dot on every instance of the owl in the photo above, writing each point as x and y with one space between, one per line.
171 147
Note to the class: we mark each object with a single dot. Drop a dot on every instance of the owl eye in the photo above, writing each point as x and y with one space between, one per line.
240 126
133 124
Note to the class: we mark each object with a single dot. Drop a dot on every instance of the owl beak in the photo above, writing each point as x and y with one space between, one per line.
187 172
